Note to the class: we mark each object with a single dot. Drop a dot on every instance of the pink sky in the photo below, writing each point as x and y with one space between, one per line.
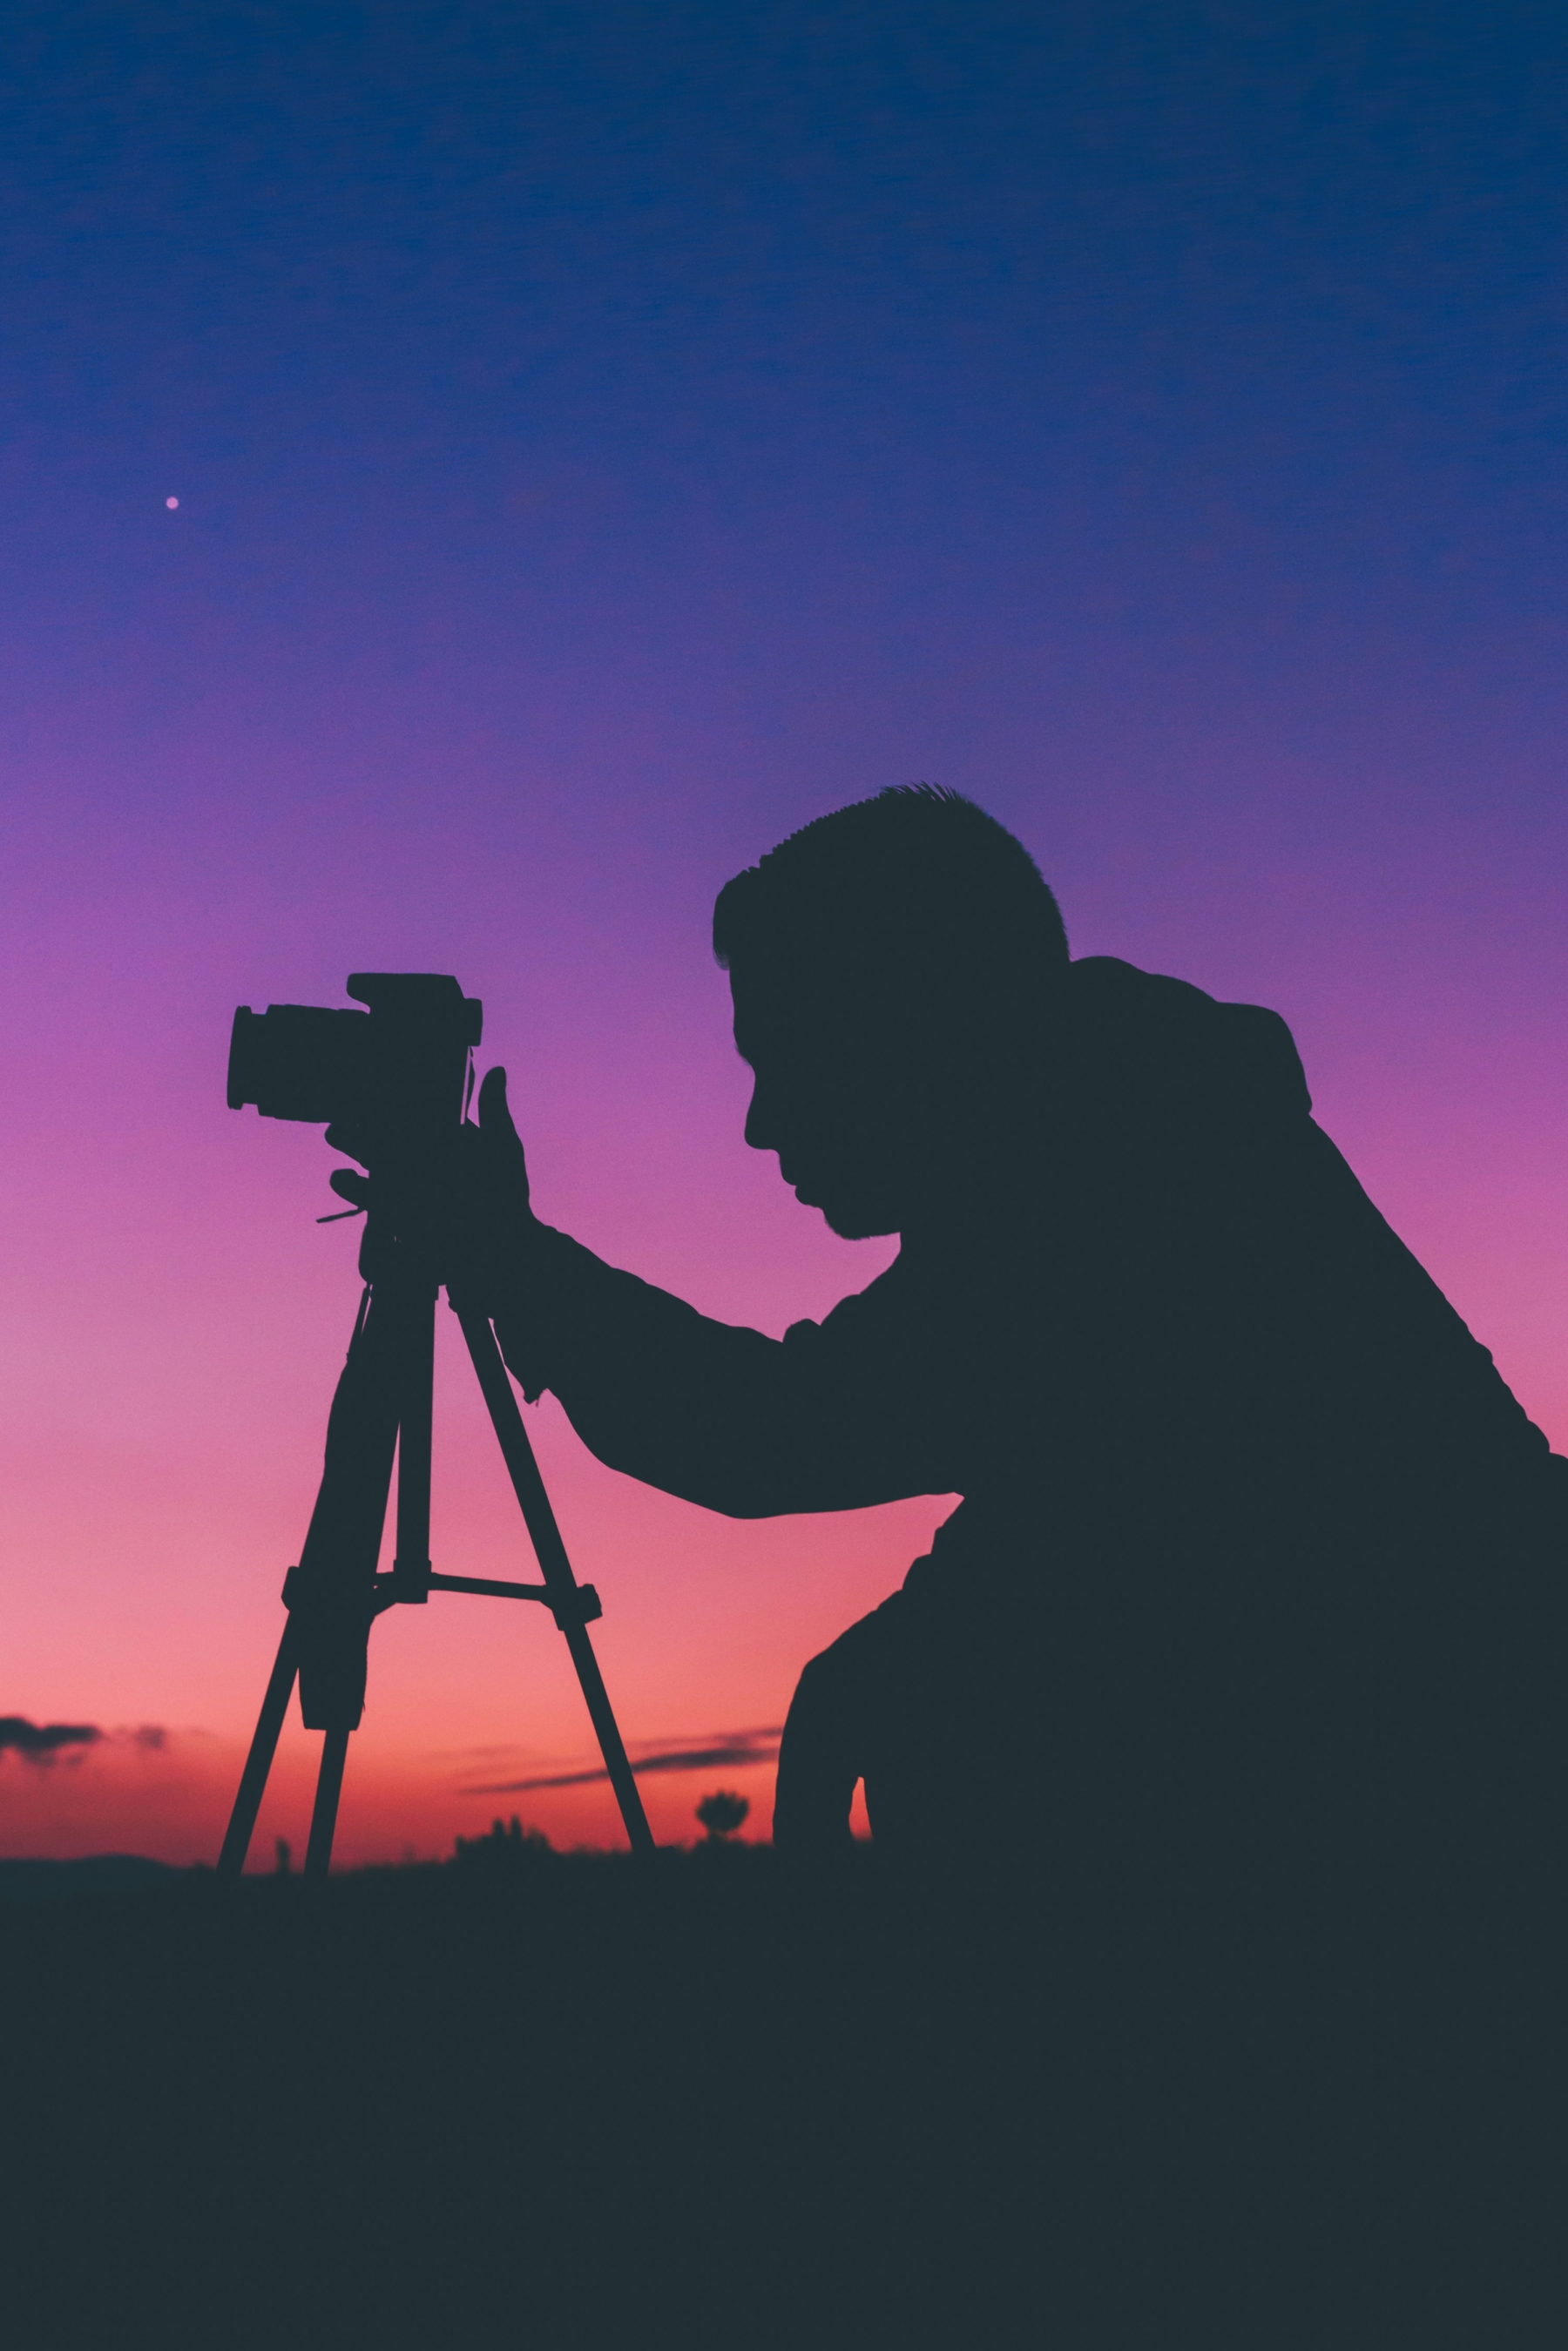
175 1318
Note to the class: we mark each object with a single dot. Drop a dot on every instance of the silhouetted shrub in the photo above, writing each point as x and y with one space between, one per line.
722 1814
506 1847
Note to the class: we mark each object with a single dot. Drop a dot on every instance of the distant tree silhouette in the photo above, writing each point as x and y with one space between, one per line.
722 1814
285 1857
506 1846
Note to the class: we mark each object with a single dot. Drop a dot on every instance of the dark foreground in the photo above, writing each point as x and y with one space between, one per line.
574 2102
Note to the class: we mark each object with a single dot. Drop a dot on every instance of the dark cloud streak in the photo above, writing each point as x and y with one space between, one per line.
745 1746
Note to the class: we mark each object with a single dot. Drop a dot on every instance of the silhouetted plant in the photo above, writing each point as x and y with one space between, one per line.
506 1846
722 1814
284 1858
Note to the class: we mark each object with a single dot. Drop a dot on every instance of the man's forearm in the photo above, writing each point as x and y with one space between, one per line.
719 1415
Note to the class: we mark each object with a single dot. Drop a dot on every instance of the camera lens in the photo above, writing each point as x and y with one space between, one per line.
298 1061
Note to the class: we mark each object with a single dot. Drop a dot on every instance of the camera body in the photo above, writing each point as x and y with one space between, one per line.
390 1080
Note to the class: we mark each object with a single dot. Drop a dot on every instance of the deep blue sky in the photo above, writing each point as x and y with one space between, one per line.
1039 350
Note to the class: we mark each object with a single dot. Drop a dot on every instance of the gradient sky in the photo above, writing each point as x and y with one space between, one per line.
606 437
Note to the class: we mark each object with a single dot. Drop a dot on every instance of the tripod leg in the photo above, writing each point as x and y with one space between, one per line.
554 1565
333 1605
607 1730
328 1788
258 1762
403 1318
330 1596
415 1392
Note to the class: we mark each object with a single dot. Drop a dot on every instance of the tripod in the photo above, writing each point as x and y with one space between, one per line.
382 1405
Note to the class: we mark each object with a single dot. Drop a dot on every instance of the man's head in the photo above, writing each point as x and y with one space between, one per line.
895 966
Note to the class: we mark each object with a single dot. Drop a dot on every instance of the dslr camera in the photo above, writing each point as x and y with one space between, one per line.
390 1082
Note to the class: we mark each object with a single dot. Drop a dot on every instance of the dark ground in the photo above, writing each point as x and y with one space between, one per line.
568 2102
572 2101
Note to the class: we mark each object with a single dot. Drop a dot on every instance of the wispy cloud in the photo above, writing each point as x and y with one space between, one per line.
41 1742
723 1750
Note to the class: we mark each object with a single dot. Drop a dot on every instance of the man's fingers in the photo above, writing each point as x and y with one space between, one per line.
341 1137
502 1150
502 1165
348 1186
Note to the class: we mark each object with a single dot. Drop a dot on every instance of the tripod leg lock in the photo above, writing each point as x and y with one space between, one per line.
332 1627
299 1591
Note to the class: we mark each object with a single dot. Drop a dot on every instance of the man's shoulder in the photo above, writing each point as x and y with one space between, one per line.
1142 1041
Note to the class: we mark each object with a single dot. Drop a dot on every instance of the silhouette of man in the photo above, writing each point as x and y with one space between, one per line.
1229 1702
1257 1577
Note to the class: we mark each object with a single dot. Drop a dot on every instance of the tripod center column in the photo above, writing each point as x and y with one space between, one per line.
416 1390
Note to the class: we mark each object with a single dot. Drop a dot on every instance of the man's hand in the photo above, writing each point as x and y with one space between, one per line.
486 1226
490 1227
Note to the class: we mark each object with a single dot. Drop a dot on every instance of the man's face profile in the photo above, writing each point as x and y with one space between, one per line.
825 1098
